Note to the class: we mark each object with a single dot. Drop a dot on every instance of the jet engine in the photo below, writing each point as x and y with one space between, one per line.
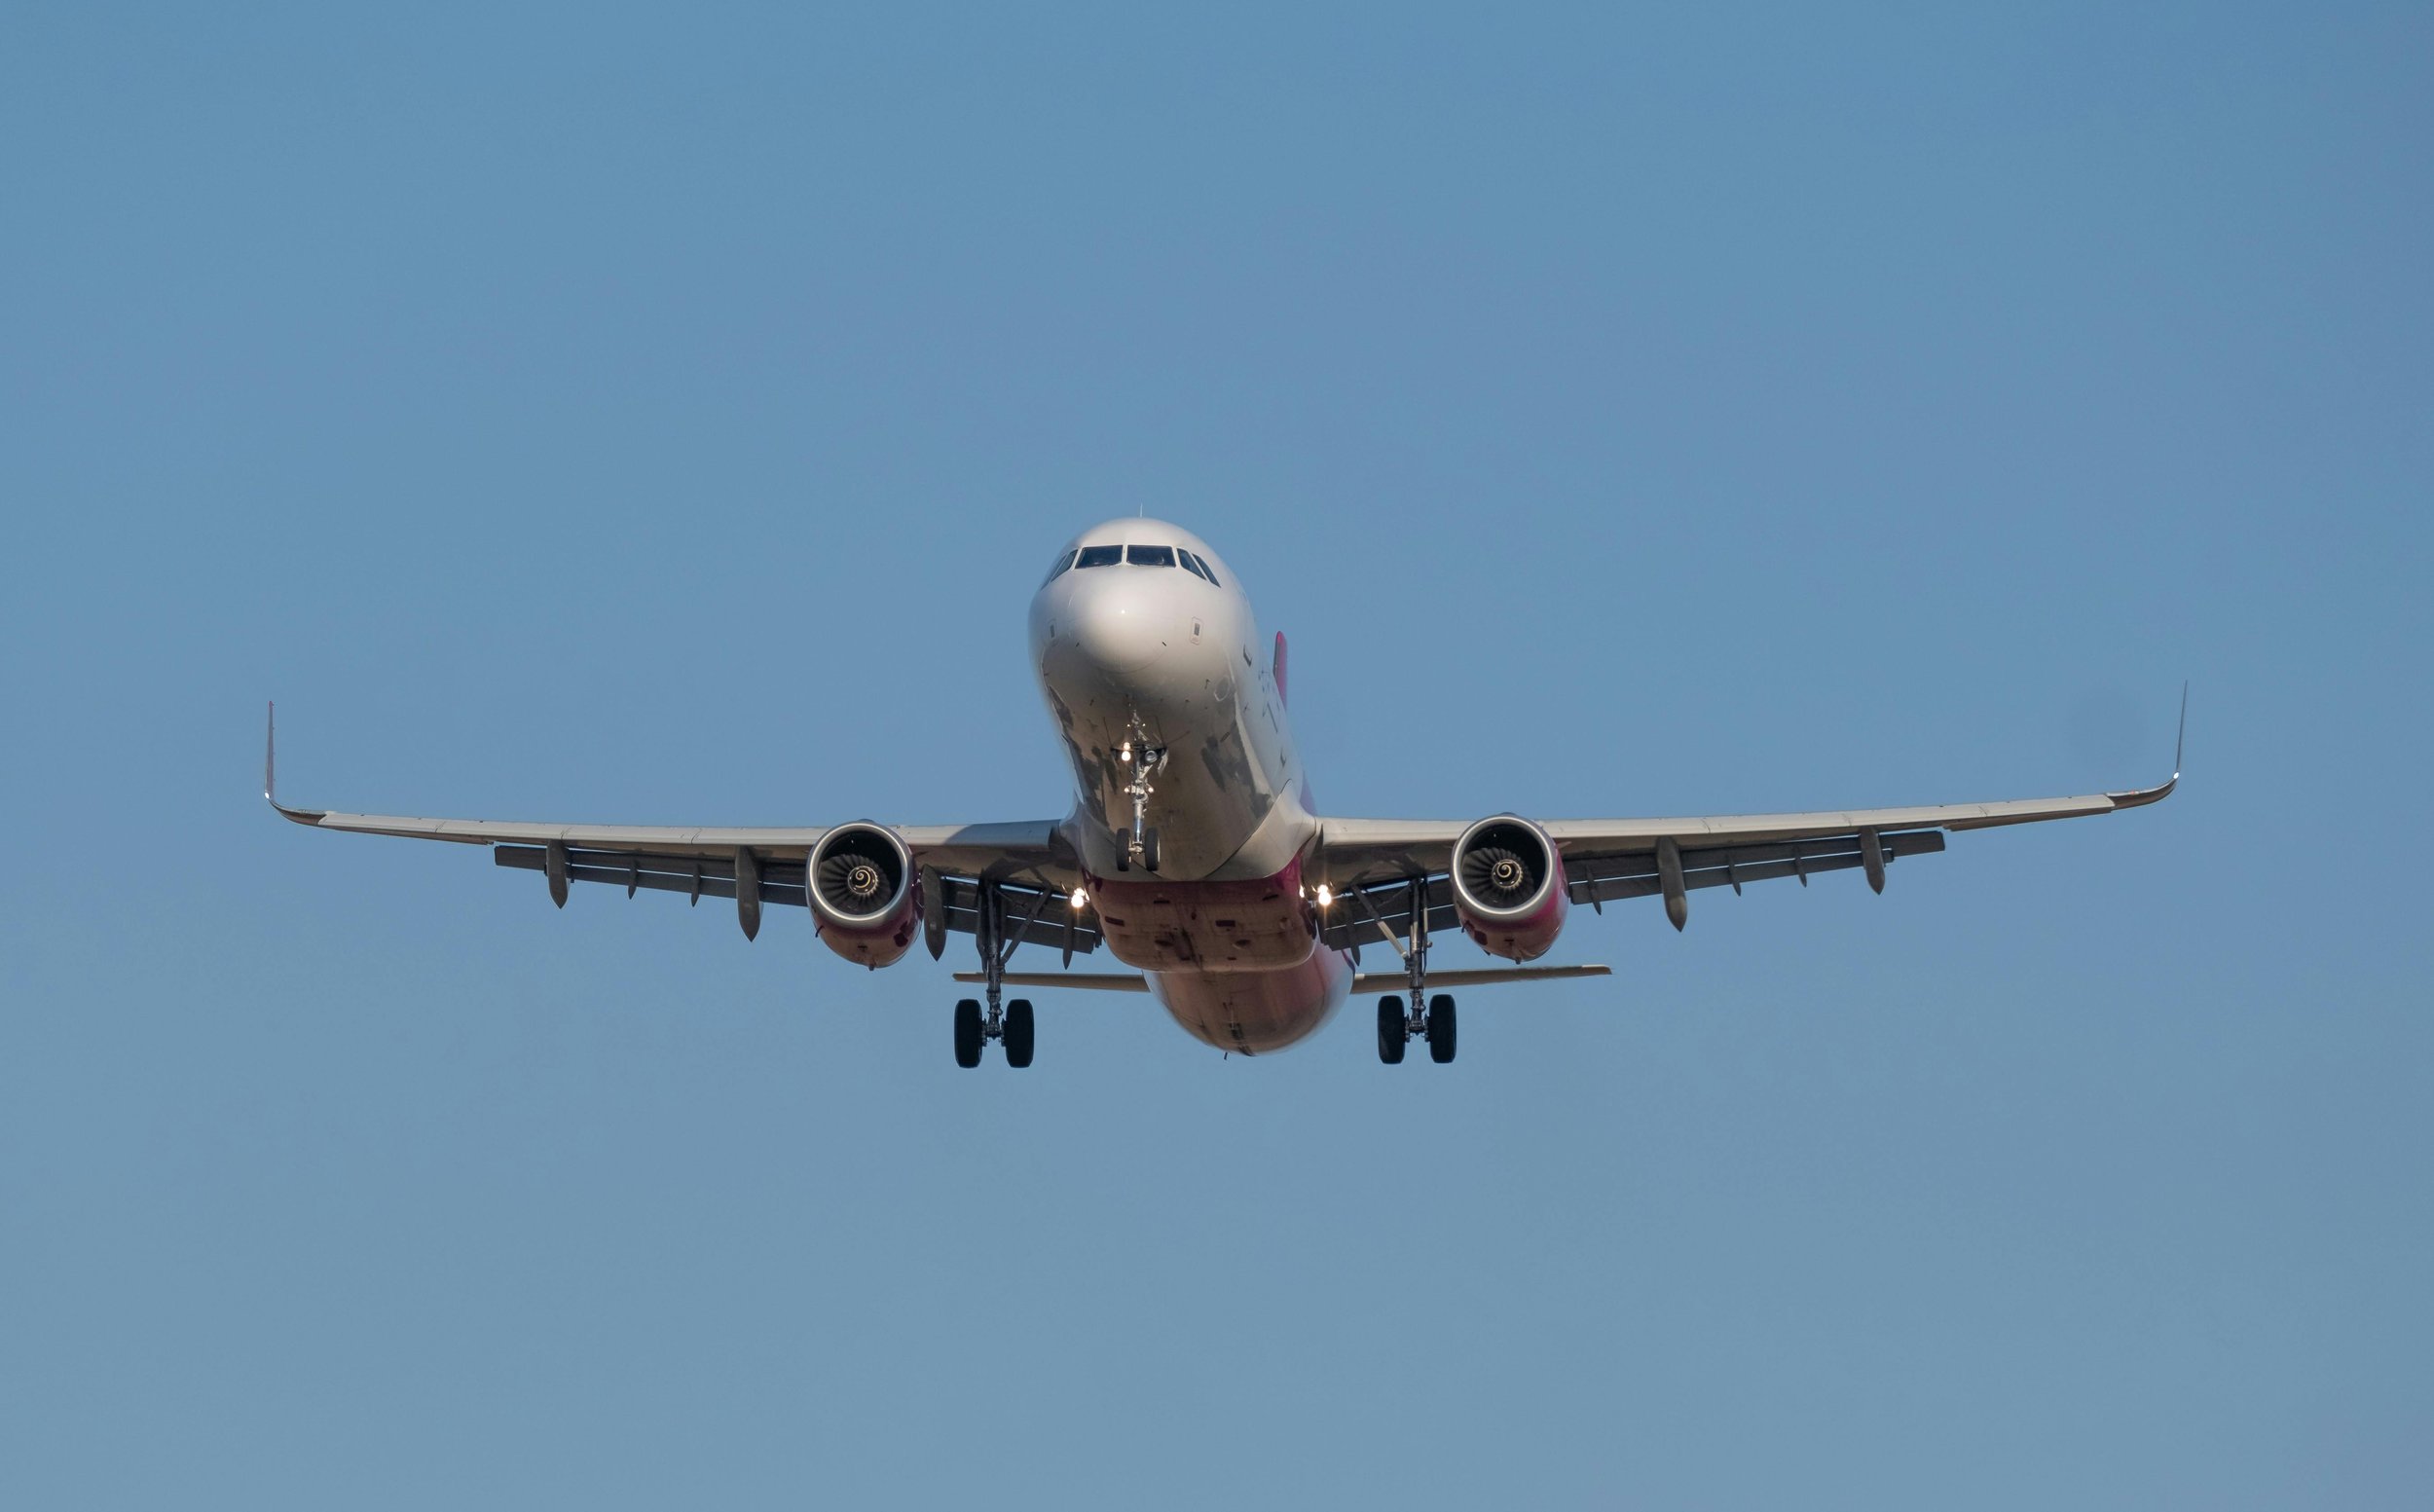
863 889
1508 887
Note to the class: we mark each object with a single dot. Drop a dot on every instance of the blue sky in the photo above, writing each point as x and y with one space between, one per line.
664 416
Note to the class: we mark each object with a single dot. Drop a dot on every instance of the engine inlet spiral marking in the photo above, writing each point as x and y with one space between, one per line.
863 882
1507 875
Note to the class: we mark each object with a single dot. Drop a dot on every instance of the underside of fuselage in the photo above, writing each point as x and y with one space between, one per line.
1256 1013
1237 963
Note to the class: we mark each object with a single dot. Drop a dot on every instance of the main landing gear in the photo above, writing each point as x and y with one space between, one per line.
973 1032
1398 1025
1011 1024
1397 1029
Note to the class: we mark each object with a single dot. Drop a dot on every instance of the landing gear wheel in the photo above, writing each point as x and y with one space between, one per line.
1018 1026
968 1033
1441 1029
1392 1034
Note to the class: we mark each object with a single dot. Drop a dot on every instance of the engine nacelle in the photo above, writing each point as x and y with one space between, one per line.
865 892
1508 887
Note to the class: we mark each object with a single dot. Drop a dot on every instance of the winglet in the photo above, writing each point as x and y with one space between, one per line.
2142 795
2180 736
270 773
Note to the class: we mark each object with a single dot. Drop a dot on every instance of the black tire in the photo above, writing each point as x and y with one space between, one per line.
1392 1033
968 1034
1018 1027
1441 1029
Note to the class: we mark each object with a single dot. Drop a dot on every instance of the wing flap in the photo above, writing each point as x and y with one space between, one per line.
1379 912
699 876
1034 915
1603 879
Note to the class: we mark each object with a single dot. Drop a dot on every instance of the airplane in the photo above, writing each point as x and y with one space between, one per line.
1194 853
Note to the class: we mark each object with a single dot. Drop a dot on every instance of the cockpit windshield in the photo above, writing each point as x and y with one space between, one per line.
1137 556
1064 560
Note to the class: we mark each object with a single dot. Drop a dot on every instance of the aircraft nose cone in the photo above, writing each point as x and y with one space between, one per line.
1119 625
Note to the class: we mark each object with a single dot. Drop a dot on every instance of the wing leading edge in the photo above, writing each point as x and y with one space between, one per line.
1382 869
1019 859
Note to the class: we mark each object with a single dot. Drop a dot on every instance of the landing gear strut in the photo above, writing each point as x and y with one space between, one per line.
1397 1024
1147 761
1011 1024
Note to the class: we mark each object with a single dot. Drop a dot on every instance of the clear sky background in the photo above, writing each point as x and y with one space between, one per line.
597 414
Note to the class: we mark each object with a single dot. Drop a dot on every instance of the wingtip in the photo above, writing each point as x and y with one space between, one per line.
270 772
2139 796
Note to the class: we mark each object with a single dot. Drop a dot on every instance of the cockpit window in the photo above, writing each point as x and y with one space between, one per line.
1099 556
1206 570
1151 556
1189 564
1064 560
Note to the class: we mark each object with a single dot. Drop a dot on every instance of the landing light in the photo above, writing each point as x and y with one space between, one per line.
1081 900
1325 896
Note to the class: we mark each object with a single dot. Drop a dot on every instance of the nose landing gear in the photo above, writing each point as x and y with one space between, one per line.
1147 761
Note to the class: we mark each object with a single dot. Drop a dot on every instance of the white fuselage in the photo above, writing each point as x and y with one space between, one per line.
1155 677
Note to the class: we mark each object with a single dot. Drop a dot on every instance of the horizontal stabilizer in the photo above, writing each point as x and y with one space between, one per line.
1482 976
1087 982
1365 981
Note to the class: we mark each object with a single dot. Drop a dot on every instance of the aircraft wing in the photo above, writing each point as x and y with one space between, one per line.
1380 868
1025 861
